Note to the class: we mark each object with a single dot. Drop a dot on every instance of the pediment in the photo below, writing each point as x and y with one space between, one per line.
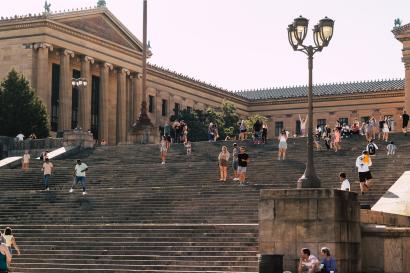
103 25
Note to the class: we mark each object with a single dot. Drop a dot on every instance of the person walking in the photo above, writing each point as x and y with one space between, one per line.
336 140
79 176
363 162
385 132
223 159
405 117
47 169
5 258
25 161
282 145
391 148
10 241
264 133
235 162
163 149
243 160
242 130
371 148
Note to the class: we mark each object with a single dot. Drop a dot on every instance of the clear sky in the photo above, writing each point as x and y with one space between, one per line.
242 44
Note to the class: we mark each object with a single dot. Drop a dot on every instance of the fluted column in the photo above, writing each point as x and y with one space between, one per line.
103 101
121 105
65 97
136 94
42 81
84 105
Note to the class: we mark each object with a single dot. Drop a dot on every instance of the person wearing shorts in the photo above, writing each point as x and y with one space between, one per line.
363 163
243 160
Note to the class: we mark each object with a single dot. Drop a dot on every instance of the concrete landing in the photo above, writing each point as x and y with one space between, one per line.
397 199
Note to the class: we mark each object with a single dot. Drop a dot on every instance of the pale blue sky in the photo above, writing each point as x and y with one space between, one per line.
242 44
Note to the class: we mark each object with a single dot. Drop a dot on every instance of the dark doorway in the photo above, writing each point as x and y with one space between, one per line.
55 94
75 96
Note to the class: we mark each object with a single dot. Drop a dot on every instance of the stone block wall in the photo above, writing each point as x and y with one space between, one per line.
385 245
292 219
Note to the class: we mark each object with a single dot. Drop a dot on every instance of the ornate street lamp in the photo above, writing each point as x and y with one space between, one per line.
79 82
322 34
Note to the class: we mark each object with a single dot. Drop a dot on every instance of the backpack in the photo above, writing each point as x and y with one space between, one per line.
371 149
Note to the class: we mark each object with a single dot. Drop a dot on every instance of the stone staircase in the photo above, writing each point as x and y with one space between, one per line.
141 216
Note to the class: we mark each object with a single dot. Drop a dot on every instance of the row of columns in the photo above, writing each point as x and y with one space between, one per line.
42 84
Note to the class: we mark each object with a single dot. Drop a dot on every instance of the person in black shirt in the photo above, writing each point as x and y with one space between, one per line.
243 160
405 118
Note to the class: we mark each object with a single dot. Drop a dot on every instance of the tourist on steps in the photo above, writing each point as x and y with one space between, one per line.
25 161
188 147
79 176
328 263
243 160
391 148
223 159
10 241
345 184
47 171
283 146
5 258
163 149
405 117
235 162
363 163
303 125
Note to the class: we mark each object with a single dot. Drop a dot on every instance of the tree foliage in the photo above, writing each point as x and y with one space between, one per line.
225 117
21 111
250 121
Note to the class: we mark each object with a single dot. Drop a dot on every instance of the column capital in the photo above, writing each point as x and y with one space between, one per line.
67 52
124 70
135 75
106 65
86 58
43 45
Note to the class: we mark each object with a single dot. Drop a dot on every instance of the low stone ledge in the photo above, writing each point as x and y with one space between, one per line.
383 218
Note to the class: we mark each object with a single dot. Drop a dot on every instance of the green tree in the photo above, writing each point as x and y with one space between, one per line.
196 122
20 109
226 118
252 119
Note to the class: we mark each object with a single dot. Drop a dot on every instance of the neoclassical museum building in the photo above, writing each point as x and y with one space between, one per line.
51 49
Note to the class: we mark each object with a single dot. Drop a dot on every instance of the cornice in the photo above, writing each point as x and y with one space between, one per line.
44 22
180 79
372 95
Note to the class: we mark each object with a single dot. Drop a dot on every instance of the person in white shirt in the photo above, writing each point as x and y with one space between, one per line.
345 184
308 263
363 163
79 176
20 137
391 148
25 161
47 171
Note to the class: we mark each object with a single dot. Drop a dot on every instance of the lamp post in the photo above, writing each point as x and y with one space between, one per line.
79 82
322 34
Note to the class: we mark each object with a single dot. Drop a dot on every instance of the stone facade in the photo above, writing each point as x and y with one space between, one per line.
290 220
50 49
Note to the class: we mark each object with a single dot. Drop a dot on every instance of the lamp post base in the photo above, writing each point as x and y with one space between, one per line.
308 181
